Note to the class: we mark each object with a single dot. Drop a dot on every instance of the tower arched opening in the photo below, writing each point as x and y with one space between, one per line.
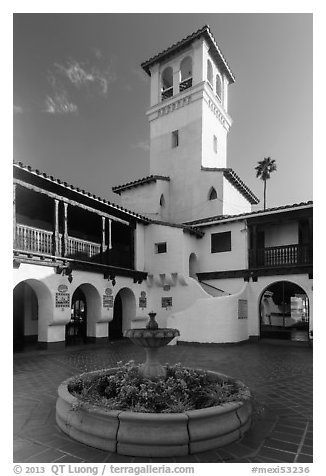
185 73
167 83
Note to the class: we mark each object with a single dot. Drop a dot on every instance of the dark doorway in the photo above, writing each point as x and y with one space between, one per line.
18 317
115 326
25 313
284 312
76 329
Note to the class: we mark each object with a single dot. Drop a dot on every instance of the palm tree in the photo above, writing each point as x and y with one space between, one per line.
263 170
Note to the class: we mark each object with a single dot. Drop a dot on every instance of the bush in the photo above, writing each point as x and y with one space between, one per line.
182 389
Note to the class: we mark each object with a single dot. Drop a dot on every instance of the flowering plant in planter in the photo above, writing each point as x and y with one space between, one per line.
182 389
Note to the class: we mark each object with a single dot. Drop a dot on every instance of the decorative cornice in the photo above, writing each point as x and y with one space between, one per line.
179 103
218 114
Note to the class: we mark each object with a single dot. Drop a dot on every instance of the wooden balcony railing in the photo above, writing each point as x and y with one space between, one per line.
280 256
34 239
77 246
41 241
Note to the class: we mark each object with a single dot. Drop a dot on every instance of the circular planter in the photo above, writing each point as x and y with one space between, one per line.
153 434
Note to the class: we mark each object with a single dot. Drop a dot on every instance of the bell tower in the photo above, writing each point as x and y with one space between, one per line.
188 118
189 125
188 114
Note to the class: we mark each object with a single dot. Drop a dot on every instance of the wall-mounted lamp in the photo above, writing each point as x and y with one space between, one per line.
110 277
65 271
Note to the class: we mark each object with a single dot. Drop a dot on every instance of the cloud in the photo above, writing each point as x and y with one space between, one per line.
59 104
69 77
81 75
18 109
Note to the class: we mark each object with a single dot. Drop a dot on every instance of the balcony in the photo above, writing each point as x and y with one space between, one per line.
34 240
42 242
276 256
82 247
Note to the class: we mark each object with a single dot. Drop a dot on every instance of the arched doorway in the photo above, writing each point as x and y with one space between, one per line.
193 266
76 329
124 309
25 316
284 312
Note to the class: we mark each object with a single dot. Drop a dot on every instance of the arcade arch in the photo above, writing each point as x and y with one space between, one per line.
85 312
283 310
124 310
32 304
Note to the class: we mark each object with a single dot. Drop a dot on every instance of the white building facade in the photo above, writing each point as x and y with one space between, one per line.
185 243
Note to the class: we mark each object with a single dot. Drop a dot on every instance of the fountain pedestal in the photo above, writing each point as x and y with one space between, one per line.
151 338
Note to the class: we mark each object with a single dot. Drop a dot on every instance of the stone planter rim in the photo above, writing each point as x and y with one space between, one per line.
64 393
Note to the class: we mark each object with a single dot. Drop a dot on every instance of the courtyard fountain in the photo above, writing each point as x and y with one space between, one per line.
151 338
149 433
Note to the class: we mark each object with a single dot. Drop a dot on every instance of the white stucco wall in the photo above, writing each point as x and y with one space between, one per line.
145 199
237 258
213 319
212 126
234 202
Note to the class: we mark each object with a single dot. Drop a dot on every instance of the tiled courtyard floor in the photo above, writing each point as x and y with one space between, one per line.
280 376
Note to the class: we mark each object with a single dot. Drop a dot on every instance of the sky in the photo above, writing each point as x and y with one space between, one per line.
80 95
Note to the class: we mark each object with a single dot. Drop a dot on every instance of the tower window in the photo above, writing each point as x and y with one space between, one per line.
185 74
212 194
220 242
218 87
210 73
160 247
167 83
162 201
215 144
175 138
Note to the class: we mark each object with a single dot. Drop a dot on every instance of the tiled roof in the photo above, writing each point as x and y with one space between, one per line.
78 190
268 211
186 228
235 180
28 168
143 181
176 47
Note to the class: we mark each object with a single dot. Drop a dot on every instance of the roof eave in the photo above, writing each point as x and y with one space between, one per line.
182 44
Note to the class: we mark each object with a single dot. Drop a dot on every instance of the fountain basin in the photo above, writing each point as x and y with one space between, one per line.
151 338
153 434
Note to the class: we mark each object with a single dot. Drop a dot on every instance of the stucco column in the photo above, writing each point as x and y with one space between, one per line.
56 228
14 215
176 77
103 238
110 234
65 228
155 85
254 246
